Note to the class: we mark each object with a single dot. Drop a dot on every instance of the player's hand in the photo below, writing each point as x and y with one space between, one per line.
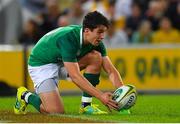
106 99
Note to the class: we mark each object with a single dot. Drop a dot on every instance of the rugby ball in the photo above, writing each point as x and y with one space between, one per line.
126 96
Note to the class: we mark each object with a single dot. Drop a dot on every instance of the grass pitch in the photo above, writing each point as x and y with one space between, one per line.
148 108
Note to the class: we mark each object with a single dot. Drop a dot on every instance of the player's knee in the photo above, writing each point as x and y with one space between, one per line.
95 58
55 110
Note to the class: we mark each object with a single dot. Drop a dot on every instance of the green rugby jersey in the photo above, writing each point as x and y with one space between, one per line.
62 44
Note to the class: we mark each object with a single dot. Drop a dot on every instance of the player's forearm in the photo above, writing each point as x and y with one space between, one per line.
84 85
114 75
115 78
80 81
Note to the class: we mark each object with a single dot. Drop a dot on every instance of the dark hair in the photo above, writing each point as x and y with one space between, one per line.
93 19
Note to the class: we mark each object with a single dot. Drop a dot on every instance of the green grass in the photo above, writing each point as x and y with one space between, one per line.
148 108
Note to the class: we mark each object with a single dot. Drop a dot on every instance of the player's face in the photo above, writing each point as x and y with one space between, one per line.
97 35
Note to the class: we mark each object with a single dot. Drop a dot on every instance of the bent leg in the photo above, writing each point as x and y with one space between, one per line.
48 99
92 64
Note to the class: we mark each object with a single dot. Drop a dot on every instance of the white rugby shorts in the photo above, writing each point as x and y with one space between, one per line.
39 74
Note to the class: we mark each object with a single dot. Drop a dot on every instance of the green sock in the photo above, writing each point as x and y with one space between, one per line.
35 101
93 79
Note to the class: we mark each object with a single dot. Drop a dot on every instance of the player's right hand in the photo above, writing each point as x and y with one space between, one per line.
106 99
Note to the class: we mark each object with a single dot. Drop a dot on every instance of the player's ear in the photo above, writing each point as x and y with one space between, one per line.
86 30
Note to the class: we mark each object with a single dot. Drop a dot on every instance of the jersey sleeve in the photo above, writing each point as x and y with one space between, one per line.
68 49
102 49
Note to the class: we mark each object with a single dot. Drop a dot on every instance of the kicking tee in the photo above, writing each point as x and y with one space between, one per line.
62 44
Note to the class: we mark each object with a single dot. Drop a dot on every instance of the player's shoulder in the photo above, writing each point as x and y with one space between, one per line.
73 27
62 31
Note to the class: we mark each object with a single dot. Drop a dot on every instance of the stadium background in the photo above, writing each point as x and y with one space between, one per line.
143 41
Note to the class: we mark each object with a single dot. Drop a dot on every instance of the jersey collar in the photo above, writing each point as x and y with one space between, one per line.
81 37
